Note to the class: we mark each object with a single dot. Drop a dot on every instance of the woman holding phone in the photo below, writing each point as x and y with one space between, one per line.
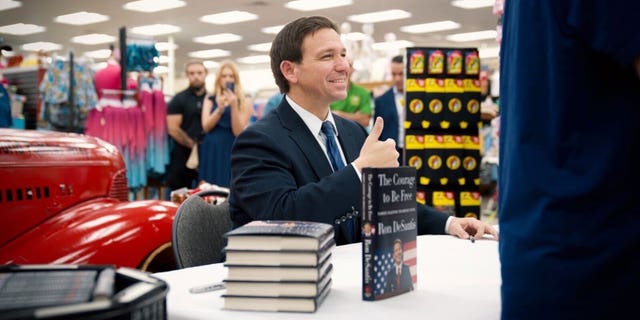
224 115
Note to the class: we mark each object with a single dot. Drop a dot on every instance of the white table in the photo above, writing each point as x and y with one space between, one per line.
457 279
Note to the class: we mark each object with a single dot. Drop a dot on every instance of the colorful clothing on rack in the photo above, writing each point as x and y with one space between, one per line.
154 107
122 123
55 87
142 57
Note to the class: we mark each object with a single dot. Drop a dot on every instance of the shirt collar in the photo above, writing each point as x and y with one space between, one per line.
313 123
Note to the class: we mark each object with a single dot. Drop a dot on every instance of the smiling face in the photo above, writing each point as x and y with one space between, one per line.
397 253
321 77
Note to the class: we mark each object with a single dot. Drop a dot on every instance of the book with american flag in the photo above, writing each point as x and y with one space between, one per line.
389 230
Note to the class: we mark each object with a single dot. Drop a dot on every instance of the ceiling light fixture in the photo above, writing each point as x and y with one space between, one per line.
165 46
472 36
81 18
99 66
272 29
229 17
93 38
218 38
263 58
155 29
21 29
212 53
355 36
98 54
431 27
379 16
392 45
9 4
260 47
472 4
153 5
312 5
41 46
163 59
210 64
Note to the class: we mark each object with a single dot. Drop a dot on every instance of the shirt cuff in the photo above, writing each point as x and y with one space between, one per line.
357 171
446 225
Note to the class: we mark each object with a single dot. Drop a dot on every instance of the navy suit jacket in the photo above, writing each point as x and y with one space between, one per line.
279 172
385 107
406 283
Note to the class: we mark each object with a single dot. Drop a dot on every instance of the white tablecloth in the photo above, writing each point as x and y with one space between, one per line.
457 279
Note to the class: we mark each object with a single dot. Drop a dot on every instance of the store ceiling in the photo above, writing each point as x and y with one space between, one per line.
271 13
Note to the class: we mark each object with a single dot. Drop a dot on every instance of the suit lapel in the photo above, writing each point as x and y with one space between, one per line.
347 141
304 139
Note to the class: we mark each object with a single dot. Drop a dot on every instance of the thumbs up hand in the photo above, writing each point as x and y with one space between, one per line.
375 153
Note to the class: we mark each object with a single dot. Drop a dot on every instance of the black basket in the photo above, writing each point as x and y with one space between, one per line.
96 292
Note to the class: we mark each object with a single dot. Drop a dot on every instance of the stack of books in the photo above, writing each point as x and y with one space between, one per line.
278 266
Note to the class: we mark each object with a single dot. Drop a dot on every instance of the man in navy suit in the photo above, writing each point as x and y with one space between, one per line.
390 106
282 167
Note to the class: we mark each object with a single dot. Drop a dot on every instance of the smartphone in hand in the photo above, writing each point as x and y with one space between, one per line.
231 86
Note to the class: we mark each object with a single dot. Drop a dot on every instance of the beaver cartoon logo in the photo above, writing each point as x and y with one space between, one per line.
435 162
470 215
435 106
473 106
415 162
416 106
455 105
453 162
469 163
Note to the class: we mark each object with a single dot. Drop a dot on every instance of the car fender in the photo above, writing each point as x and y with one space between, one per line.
99 231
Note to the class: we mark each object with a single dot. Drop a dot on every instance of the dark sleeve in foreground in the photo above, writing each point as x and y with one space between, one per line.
430 220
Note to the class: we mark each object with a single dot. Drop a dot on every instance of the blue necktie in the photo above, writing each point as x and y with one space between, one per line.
332 147
337 164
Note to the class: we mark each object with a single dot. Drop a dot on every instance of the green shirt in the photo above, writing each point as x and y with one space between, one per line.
358 99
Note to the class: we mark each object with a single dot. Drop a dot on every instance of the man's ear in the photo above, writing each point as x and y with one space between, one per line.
288 70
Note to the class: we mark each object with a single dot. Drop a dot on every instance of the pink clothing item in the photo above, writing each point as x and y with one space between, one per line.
107 78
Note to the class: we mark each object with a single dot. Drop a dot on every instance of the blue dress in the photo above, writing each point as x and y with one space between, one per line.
214 151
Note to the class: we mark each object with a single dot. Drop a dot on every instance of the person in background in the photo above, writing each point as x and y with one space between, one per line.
357 105
273 102
224 115
184 127
568 175
300 161
390 107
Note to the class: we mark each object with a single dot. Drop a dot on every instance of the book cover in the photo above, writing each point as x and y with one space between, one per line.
279 257
389 230
289 304
279 235
275 289
284 273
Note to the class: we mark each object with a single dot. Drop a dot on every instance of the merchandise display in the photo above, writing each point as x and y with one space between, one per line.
442 127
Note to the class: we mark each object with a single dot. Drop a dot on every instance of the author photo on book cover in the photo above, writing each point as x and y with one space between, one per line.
399 277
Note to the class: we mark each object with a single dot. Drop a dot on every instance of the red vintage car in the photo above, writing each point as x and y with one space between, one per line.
64 200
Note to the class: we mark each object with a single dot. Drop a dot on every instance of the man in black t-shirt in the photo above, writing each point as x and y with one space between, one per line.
184 126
